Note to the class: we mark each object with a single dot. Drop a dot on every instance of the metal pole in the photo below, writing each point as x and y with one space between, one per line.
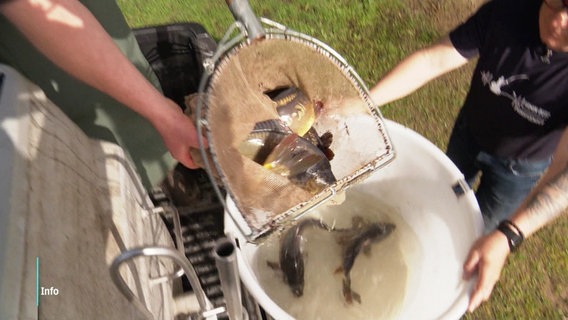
173 254
243 13
226 261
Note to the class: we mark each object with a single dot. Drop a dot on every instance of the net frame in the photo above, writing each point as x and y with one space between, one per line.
255 223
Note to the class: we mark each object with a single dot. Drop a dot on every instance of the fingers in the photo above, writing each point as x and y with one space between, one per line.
182 152
205 142
476 299
482 290
487 278
470 265
186 159
487 258
192 159
179 134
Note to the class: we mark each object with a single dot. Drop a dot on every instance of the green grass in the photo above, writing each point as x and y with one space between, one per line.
373 35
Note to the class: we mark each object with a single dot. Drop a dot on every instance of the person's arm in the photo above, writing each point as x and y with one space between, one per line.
69 35
549 198
416 70
547 201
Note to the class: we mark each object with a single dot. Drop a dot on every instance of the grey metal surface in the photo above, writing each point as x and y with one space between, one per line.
173 254
225 254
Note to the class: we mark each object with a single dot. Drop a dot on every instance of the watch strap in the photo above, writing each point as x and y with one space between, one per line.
514 235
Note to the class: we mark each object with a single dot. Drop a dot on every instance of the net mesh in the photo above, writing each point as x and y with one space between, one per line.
236 100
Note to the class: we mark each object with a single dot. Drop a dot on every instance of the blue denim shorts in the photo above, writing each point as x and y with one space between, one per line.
504 183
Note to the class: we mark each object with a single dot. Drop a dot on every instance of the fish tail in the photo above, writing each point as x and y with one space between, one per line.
273 265
317 223
348 293
324 226
356 296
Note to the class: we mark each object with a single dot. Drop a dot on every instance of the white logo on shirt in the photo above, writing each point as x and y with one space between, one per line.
519 104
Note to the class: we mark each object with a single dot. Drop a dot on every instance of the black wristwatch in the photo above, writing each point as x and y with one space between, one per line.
514 235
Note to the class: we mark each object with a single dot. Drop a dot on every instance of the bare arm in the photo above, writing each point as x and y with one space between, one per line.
69 35
416 70
547 201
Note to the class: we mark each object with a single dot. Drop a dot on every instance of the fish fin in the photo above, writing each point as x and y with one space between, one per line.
273 265
358 222
338 270
343 237
348 293
356 296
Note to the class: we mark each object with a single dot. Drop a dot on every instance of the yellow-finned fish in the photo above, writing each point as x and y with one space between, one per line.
297 110
264 137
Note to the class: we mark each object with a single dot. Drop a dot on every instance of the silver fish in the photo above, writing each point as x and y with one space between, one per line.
293 155
263 138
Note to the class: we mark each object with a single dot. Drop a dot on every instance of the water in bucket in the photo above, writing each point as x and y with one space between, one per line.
379 277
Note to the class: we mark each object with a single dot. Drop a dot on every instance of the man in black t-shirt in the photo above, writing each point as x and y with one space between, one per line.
512 120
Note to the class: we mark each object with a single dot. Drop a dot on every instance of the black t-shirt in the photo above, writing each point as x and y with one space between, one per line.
517 105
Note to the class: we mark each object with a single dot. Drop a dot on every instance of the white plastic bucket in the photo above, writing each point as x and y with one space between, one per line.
440 225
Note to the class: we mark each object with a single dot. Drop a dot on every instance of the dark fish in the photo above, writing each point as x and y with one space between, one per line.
362 239
302 162
316 178
291 257
293 155
323 142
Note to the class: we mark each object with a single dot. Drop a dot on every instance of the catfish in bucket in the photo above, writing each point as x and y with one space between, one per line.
291 256
357 239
